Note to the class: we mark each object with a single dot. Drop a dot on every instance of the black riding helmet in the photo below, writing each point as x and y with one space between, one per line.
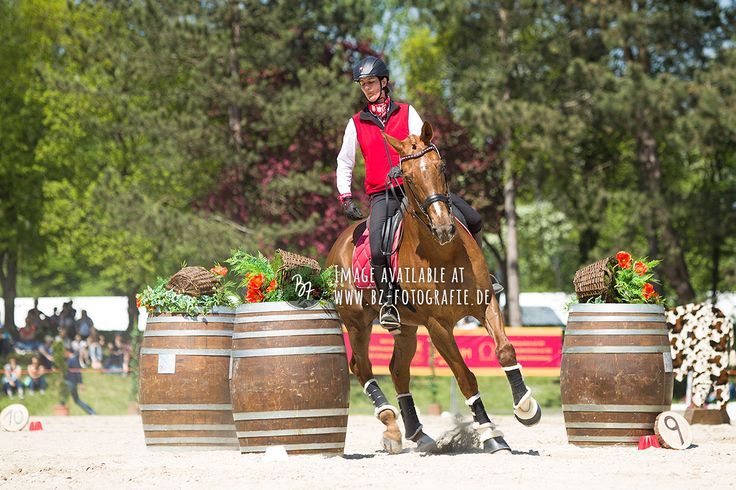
370 66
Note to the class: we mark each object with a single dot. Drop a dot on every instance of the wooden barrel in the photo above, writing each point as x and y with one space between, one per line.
184 381
290 384
616 373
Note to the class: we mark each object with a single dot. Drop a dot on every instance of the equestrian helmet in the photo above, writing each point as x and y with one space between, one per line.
370 66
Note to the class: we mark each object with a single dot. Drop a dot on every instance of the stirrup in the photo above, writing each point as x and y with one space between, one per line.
390 319
496 285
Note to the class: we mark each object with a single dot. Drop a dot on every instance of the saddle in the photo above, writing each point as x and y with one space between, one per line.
391 240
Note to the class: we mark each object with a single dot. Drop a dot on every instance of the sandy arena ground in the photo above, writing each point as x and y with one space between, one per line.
109 452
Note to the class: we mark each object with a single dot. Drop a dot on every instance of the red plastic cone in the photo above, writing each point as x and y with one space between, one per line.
35 426
645 442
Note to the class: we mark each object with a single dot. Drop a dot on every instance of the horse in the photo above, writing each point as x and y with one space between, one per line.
431 241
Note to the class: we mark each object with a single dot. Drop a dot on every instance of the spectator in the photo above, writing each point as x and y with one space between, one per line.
85 325
6 342
76 344
52 324
36 372
11 379
119 357
46 352
95 352
74 379
66 320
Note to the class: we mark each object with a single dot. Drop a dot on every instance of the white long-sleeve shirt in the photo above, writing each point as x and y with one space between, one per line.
346 157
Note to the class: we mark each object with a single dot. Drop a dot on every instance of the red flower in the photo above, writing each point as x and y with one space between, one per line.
256 281
254 296
138 302
640 268
624 259
219 270
271 286
648 291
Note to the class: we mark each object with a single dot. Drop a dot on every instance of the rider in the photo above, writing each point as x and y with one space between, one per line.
381 114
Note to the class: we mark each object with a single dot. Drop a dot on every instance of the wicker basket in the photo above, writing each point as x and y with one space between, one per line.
595 279
291 261
194 281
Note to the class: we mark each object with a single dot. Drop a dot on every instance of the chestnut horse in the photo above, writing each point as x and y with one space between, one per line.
431 242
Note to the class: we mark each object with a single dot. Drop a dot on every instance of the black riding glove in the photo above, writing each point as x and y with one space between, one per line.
351 210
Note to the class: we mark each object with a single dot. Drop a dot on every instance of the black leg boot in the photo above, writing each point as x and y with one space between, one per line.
490 437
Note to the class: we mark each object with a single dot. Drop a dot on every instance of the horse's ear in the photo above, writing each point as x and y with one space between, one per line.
427 133
397 144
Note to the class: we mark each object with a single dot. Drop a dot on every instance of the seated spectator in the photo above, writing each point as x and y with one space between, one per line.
46 352
95 352
36 373
11 379
85 325
116 359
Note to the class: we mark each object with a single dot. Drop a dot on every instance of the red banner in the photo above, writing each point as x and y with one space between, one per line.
538 350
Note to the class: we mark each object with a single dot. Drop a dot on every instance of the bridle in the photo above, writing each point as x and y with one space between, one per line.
424 206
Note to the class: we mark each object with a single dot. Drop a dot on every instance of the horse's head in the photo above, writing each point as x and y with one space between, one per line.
424 178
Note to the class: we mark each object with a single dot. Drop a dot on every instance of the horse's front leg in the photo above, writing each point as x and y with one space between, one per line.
359 333
490 437
405 345
526 409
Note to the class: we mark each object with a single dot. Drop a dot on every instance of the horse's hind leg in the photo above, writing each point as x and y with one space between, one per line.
405 345
526 409
490 437
360 365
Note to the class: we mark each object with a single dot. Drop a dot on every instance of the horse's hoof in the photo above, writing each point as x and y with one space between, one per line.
426 444
530 416
392 446
495 444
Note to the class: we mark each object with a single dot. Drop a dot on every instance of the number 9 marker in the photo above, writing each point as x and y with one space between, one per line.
673 431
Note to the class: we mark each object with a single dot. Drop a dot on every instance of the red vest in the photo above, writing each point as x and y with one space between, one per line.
378 155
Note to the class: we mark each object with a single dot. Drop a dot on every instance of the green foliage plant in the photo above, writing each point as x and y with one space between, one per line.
160 299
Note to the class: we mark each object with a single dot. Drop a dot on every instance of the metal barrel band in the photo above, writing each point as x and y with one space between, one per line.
286 333
188 333
615 331
192 440
615 408
609 425
288 318
617 319
295 447
280 306
616 349
615 308
613 439
188 427
186 406
290 414
292 432
289 351
189 319
187 352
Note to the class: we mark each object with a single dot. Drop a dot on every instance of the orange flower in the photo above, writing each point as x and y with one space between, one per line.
648 291
138 302
640 268
624 259
256 281
219 270
271 286
254 296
